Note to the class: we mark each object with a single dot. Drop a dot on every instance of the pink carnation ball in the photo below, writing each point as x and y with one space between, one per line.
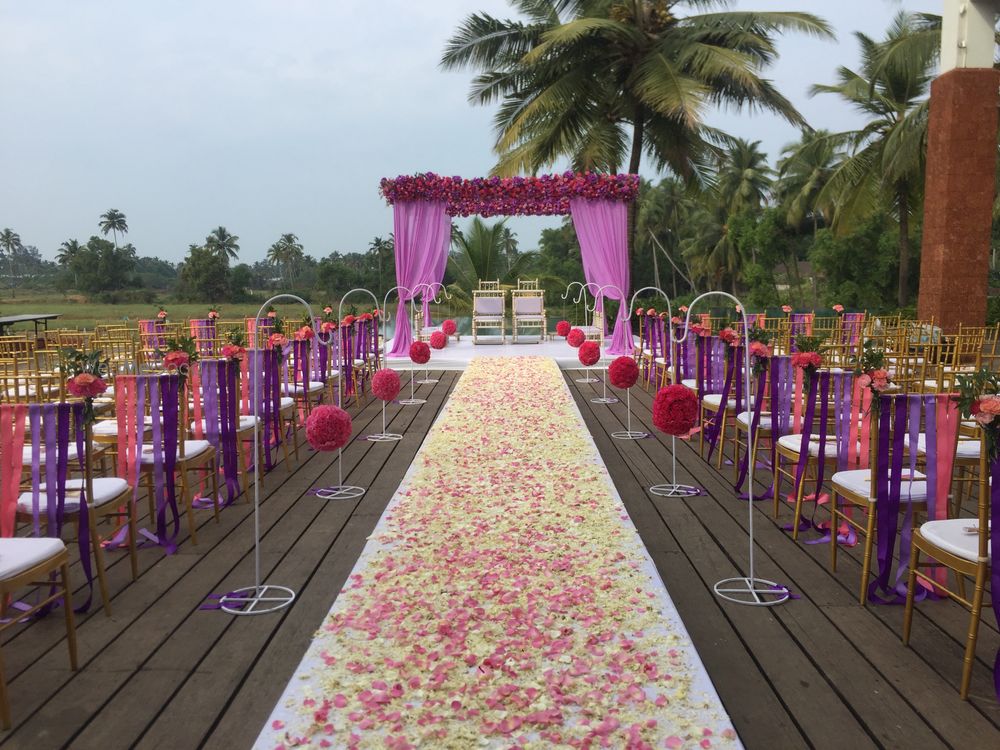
439 340
590 353
328 428
623 372
449 327
563 328
385 384
575 338
420 353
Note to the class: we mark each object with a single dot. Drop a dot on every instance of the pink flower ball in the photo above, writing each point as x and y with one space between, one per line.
623 372
563 328
575 338
385 384
420 353
439 340
675 410
449 327
328 428
590 353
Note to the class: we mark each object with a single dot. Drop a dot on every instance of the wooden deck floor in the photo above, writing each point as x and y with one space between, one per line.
163 673
819 671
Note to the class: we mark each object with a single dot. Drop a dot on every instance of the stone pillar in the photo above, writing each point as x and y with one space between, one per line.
958 201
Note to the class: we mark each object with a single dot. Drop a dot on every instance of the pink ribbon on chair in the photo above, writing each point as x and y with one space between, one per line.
12 418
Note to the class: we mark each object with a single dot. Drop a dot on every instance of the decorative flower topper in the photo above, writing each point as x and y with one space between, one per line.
277 341
838 309
305 333
871 369
448 327
385 384
328 310
86 385
575 338
675 411
623 372
563 328
328 427
438 340
683 308
729 336
978 399
786 308
233 352
590 353
213 313
510 196
420 353
162 315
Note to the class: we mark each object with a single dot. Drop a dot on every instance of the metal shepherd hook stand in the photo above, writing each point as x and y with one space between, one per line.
412 400
439 287
748 589
341 491
384 436
582 294
260 598
605 398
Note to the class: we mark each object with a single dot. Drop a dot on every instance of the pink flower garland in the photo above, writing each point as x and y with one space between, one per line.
510 196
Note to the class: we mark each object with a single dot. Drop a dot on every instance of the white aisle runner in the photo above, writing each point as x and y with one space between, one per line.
504 599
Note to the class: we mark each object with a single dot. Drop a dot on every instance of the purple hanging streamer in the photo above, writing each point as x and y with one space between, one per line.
752 432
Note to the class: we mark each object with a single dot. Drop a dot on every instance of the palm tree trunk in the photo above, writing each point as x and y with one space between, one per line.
638 128
904 246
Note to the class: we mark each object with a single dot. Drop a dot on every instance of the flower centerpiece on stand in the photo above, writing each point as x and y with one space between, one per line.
871 371
808 355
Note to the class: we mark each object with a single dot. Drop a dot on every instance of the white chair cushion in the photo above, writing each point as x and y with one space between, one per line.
858 482
530 318
528 306
106 489
660 360
486 306
246 423
70 453
955 535
690 383
299 388
744 418
714 399
287 402
109 427
794 443
18 554
965 448
192 448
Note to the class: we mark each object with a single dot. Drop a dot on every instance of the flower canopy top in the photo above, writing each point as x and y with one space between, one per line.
547 195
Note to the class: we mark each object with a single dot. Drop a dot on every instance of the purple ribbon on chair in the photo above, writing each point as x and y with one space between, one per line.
752 432
219 393
264 369
164 399
714 426
995 556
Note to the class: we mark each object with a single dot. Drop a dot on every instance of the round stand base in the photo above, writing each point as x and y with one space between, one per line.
604 400
411 401
674 490
588 380
257 600
426 381
629 435
384 437
339 492
754 592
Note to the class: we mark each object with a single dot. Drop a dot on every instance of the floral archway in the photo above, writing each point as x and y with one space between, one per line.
423 204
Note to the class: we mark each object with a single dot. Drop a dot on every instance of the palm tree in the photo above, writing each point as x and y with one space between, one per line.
223 244
804 169
10 244
744 177
478 254
68 252
663 218
885 168
602 83
382 249
286 253
113 221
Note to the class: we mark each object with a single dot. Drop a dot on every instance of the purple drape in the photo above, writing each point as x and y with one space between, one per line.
422 232
602 228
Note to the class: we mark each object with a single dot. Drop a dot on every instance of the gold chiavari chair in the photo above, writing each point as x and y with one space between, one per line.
963 546
107 497
991 347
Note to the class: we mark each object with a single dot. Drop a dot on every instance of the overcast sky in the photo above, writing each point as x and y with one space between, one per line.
273 116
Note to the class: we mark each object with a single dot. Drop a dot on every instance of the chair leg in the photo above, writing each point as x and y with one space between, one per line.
721 440
777 483
68 610
799 494
4 699
911 585
133 524
834 518
215 487
970 641
866 565
188 506
102 580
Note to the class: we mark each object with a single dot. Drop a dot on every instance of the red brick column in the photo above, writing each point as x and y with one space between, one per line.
958 201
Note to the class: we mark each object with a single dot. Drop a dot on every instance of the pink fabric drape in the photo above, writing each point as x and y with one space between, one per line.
422 231
602 228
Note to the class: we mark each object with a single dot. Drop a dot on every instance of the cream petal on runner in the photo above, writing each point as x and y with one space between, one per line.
505 598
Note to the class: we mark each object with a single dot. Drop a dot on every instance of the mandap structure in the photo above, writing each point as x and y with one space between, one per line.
423 205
